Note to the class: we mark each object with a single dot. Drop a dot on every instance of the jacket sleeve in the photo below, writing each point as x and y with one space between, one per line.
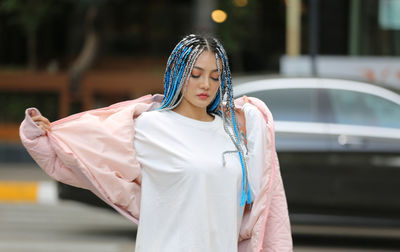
265 179
41 150
277 233
93 150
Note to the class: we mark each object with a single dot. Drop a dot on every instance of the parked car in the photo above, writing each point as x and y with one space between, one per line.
338 143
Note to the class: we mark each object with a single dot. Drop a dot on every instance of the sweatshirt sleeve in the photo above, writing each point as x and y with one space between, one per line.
256 139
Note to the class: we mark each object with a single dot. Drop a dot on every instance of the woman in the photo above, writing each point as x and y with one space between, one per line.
181 161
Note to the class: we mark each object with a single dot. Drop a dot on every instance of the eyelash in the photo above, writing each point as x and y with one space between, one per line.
197 76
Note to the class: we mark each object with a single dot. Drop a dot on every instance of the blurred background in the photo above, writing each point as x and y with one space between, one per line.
67 56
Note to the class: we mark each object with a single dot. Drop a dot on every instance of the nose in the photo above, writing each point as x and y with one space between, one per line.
205 84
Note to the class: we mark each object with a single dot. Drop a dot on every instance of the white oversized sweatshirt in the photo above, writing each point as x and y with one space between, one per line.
190 200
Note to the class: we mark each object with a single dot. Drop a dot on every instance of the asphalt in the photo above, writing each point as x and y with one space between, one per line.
63 227
22 172
26 182
36 195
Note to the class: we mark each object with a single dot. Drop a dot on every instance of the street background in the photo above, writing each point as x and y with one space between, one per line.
65 56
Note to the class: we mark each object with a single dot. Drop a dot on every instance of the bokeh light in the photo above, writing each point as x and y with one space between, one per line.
240 3
219 16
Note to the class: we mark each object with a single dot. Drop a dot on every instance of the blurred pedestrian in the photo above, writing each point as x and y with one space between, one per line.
195 169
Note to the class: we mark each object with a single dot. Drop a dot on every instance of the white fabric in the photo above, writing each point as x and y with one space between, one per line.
254 122
190 202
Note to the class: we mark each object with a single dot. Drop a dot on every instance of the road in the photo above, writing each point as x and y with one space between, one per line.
53 225
66 226
69 226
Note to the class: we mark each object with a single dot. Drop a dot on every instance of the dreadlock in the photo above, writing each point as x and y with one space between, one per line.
180 65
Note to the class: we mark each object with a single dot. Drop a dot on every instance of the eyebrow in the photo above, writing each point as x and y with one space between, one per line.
215 70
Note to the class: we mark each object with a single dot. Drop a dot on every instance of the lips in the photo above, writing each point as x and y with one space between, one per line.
203 96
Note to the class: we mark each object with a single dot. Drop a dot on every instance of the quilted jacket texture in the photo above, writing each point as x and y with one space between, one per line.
94 150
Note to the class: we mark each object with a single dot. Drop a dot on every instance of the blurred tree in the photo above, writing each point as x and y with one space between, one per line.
253 33
28 15
236 29
89 49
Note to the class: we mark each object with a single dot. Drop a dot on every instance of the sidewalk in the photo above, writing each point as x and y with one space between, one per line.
26 183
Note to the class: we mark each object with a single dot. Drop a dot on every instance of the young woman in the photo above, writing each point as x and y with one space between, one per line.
196 171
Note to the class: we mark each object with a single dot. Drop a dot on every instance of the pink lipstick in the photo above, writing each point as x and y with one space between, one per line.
203 96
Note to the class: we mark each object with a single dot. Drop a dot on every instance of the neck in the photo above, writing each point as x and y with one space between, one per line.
194 113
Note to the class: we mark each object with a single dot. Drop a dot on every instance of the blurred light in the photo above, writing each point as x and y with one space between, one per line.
219 16
240 3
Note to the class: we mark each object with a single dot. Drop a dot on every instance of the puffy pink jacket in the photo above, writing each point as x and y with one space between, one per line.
94 150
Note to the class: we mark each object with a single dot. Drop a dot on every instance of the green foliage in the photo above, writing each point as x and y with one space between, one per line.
238 27
27 14
14 104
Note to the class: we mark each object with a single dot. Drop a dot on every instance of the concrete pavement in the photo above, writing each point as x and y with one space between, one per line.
26 182
52 225
67 227
33 219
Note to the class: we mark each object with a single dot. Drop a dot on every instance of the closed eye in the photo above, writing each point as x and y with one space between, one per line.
195 76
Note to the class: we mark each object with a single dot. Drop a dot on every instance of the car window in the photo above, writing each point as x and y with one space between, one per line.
358 108
290 104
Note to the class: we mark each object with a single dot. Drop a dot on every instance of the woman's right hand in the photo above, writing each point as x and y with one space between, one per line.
41 121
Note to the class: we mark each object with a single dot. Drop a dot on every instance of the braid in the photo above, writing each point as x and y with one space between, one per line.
179 67
237 138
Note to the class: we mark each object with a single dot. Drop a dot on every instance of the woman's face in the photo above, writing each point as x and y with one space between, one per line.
203 83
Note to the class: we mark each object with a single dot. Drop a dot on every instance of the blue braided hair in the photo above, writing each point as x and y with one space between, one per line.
179 67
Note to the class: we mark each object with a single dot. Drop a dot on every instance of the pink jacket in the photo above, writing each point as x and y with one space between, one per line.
94 150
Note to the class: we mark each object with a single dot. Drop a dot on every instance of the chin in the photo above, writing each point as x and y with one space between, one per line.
205 104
